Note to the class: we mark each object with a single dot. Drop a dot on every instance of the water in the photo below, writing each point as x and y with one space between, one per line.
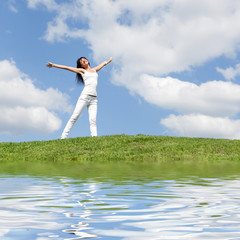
123 202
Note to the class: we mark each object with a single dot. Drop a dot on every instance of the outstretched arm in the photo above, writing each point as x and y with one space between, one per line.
72 69
100 66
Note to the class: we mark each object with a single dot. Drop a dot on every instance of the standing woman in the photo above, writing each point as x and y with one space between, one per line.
88 98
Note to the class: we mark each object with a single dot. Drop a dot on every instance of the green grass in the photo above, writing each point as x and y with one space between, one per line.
122 148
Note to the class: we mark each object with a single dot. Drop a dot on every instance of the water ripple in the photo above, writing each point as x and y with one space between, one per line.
64 208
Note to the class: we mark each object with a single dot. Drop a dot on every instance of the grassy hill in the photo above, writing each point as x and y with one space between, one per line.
123 148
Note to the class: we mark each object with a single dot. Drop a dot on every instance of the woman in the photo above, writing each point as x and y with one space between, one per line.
88 98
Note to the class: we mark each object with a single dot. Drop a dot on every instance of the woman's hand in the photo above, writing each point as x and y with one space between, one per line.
49 64
110 59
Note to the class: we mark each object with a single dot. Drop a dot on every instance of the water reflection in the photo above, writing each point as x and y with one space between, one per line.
125 207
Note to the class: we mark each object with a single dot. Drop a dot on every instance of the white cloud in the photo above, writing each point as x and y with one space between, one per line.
230 73
213 98
50 4
197 125
156 39
205 110
3 232
12 6
58 29
19 120
24 107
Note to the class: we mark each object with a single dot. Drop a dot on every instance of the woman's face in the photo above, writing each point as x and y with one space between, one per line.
84 62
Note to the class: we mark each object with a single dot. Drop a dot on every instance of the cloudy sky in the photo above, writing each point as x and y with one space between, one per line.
176 68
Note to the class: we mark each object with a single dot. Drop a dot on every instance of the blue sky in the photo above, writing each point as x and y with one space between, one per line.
175 71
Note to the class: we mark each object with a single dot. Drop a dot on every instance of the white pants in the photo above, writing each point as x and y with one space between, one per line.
84 101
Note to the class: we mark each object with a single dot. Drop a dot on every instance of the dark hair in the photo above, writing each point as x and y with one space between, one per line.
79 76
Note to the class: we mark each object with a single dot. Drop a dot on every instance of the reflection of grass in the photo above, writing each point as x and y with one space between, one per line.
122 148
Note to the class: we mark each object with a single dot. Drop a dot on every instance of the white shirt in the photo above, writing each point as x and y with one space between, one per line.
90 83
